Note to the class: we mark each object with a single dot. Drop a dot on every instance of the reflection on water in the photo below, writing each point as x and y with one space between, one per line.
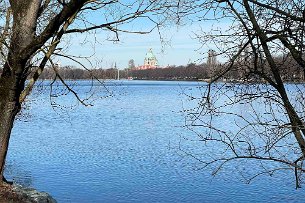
125 149
15 173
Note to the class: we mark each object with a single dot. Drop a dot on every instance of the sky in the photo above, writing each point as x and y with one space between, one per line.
180 46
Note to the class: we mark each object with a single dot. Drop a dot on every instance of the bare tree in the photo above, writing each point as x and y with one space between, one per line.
32 31
131 64
259 118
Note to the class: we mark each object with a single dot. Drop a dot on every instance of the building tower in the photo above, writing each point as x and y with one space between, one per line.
150 59
211 62
211 58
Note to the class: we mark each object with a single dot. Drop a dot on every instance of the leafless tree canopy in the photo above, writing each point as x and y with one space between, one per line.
266 120
32 32
262 41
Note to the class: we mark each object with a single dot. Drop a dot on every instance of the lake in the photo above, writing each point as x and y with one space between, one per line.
124 148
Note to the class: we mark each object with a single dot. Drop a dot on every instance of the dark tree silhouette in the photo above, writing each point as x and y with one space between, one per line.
31 32
245 122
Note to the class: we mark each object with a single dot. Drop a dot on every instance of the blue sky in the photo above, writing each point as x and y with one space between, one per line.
180 47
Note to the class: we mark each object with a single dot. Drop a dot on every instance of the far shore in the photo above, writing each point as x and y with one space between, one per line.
233 81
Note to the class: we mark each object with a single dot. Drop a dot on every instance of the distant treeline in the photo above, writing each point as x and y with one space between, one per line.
290 71
189 72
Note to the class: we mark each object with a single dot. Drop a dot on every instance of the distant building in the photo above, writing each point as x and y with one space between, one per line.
211 62
150 61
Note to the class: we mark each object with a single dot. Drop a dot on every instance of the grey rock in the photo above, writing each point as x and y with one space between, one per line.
33 196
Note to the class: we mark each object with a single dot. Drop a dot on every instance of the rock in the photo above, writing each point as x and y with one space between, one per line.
30 195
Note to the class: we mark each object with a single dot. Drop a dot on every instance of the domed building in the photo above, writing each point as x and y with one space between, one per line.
150 61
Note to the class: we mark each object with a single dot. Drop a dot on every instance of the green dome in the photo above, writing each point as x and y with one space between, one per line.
150 55
150 59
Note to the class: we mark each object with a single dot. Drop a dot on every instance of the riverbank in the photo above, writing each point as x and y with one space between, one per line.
19 194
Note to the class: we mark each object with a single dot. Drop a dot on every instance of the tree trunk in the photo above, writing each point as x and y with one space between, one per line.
12 80
296 122
14 74
9 107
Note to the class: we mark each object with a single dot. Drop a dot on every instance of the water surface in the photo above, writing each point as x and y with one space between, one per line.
125 148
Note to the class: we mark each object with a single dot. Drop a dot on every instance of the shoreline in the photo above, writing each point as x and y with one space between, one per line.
19 194
184 80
